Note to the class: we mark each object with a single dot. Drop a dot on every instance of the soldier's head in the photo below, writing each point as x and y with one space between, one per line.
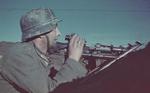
39 23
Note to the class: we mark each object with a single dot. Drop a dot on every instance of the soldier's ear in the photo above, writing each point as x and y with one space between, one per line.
42 36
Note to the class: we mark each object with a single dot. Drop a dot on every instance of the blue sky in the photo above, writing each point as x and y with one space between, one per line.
115 22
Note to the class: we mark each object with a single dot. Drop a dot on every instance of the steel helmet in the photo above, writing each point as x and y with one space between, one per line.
37 22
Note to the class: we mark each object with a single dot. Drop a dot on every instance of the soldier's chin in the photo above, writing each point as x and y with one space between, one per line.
52 45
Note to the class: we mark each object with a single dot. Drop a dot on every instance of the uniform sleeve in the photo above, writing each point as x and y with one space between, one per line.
70 71
24 71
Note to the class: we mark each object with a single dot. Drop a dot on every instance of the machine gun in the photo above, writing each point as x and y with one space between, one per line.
100 56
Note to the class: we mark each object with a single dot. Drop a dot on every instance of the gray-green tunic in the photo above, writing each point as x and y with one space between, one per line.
21 64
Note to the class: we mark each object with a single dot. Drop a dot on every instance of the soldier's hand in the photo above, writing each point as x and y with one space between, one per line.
76 47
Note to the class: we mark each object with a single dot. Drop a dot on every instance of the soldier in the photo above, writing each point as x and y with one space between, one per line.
25 66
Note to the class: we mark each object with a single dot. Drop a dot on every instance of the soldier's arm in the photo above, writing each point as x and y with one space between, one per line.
24 72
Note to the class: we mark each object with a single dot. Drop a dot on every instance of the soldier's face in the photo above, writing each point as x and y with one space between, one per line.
53 36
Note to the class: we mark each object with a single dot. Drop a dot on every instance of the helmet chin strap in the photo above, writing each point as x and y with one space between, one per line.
48 44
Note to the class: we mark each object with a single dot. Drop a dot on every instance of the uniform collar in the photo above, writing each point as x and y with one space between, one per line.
41 55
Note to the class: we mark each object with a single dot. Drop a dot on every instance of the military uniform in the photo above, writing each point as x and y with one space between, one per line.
24 68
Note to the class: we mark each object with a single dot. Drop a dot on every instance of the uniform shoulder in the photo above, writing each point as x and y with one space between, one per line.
15 47
4 46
